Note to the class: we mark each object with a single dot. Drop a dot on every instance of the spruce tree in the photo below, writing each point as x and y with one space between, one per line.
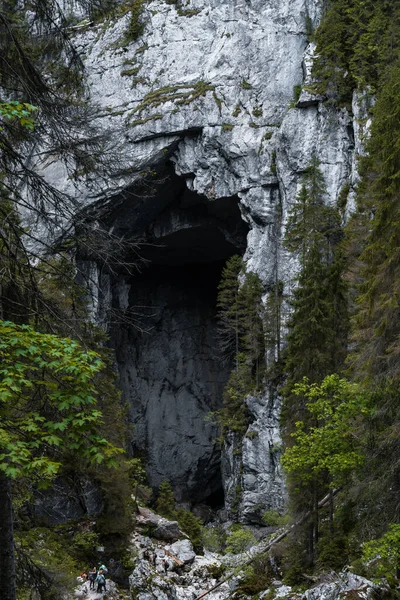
251 324
165 504
319 302
317 328
228 308
241 315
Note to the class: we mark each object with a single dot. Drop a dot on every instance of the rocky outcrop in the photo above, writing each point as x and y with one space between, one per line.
157 575
203 105
253 477
338 587
161 528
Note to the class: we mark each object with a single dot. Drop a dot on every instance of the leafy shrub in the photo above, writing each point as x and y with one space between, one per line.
274 519
239 540
258 577
84 546
383 555
214 538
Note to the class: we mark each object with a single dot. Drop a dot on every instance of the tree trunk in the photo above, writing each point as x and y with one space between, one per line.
7 559
331 530
315 519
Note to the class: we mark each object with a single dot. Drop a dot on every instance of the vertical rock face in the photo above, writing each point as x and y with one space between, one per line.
173 378
253 478
206 97
166 340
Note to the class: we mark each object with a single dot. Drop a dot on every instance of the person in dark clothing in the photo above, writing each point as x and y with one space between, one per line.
92 578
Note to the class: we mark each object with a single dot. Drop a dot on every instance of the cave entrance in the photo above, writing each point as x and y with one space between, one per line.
169 367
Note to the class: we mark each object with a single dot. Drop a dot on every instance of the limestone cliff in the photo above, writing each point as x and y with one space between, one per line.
206 101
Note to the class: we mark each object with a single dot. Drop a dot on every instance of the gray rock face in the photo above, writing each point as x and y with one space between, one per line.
65 502
253 478
206 98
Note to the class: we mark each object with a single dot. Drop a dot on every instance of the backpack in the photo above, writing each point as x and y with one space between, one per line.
92 576
101 579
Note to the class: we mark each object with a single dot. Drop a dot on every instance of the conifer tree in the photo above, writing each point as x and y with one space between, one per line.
319 303
317 336
251 324
165 504
228 308
241 315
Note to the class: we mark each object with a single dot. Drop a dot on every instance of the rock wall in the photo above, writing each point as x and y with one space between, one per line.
205 93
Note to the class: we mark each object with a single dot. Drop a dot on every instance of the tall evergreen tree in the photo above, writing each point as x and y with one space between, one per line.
228 308
317 328
319 303
241 315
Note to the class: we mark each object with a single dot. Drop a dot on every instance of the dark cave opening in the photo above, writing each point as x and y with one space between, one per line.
170 369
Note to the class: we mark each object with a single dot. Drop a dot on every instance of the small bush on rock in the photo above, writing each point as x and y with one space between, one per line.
239 540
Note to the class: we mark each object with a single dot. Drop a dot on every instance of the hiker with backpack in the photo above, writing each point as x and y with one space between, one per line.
92 578
101 581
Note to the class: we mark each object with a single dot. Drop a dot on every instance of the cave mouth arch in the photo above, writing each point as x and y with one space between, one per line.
169 369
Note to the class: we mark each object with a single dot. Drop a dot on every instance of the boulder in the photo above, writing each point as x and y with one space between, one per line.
183 550
162 529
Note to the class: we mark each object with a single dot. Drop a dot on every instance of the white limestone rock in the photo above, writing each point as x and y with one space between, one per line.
183 550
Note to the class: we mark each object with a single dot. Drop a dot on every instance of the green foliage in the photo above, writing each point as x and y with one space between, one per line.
332 552
376 321
84 546
297 91
317 345
20 111
257 577
234 416
384 554
192 526
165 503
274 519
216 571
245 85
228 306
318 328
356 42
241 330
214 538
49 551
136 25
60 374
273 162
331 444
239 540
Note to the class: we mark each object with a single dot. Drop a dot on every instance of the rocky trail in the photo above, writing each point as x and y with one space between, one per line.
167 568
